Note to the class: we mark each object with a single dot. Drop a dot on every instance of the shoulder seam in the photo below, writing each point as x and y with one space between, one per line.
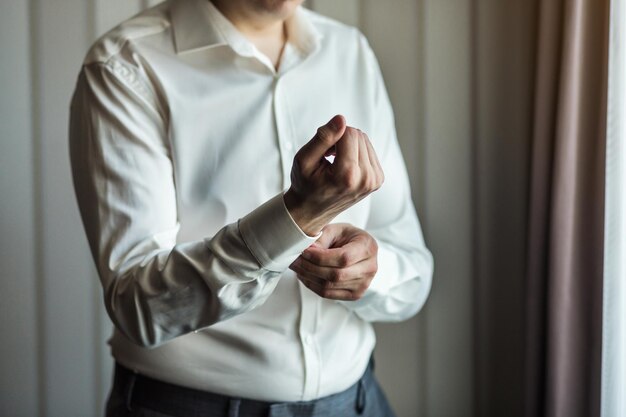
137 90
121 43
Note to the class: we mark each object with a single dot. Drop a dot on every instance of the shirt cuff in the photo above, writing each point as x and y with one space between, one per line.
272 235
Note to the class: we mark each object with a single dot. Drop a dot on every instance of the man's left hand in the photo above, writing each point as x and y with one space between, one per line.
341 264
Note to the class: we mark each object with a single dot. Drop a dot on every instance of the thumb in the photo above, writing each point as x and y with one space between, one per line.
330 234
323 141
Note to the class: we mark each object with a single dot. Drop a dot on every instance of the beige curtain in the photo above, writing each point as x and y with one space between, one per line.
565 237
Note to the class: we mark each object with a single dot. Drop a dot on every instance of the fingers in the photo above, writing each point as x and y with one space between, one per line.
375 163
342 257
331 294
364 158
341 264
347 151
341 245
356 163
337 283
340 277
345 290
335 235
310 154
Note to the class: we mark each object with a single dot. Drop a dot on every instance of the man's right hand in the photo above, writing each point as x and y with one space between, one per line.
320 190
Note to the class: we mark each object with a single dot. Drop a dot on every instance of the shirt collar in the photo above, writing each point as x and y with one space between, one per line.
198 24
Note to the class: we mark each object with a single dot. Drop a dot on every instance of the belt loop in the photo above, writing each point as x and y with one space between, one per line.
233 407
360 397
130 386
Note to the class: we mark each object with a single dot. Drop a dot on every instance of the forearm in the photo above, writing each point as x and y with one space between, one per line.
172 292
160 293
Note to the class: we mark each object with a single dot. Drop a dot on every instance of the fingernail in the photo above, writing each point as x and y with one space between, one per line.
306 255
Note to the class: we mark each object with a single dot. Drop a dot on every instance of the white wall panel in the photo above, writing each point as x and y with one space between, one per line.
346 11
109 13
62 36
396 36
18 310
448 134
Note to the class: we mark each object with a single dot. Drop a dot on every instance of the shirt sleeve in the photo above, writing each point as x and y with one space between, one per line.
155 288
405 265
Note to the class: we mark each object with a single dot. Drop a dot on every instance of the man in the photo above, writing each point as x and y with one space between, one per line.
231 297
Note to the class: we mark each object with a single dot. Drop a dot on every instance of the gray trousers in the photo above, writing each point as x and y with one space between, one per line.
134 395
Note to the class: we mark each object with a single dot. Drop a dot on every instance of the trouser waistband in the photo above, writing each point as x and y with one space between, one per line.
142 391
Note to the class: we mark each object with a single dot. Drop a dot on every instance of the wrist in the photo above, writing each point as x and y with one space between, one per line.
310 220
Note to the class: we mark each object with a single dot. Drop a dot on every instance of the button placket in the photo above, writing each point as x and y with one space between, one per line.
283 131
308 325
308 300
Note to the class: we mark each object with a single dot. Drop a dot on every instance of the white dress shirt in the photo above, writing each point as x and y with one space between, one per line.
182 140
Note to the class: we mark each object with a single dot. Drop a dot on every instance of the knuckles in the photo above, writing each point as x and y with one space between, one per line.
345 259
373 251
298 161
357 180
326 293
371 184
350 178
324 134
315 258
328 290
361 289
355 133
329 284
336 275
357 295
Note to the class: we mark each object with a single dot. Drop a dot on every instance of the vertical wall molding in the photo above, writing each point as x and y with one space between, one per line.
475 192
18 285
97 367
420 191
38 218
447 98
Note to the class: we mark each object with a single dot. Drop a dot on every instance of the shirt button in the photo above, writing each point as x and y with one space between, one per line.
288 146
309 339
